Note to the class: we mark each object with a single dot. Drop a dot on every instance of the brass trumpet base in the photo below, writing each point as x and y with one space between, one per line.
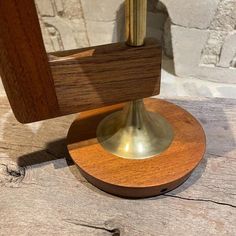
137 178
135 133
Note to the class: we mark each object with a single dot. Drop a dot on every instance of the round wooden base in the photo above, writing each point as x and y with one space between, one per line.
137 178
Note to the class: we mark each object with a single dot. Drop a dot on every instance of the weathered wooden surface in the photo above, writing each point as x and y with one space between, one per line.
45 196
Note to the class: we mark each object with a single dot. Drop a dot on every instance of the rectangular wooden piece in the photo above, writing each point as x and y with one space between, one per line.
100 76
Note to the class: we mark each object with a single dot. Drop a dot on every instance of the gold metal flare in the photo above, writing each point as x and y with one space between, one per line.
135 133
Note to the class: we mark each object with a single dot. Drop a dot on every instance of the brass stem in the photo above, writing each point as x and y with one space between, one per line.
135 133
136 21
135 25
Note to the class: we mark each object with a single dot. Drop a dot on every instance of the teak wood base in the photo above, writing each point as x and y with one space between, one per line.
137 178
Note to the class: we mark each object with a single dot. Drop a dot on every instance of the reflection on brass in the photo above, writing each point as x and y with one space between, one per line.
135 16
135 133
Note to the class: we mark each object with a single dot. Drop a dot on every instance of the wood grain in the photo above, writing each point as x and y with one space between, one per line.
138 178
23 63
71 81
100 76
52 198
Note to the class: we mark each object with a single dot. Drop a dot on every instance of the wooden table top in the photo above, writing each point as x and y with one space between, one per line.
42 193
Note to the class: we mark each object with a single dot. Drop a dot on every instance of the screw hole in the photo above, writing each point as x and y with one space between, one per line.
163 190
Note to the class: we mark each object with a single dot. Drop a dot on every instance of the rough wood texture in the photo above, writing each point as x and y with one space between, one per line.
137 178
23 63
100 76
45 196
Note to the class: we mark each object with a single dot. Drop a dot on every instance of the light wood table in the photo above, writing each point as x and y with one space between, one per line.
42 193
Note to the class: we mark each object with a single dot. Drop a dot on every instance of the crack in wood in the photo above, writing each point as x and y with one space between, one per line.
114 231
200 200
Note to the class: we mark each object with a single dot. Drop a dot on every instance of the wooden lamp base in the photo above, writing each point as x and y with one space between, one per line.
137 178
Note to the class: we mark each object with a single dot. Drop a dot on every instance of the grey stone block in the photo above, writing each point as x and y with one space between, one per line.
192 13
188 45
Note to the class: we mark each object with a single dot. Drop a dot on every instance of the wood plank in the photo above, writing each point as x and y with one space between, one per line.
104 75
48 197
23 63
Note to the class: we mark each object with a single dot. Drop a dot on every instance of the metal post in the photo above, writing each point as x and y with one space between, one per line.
135 133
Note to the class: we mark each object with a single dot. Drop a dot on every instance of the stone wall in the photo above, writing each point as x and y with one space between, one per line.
63 24
68 24
202 33
204 38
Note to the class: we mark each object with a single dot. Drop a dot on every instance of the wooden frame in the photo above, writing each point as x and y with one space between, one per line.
41 86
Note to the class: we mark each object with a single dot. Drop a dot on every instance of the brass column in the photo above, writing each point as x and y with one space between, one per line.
135 133
135 21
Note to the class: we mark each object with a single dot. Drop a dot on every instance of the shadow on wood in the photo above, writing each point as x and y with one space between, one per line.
21 144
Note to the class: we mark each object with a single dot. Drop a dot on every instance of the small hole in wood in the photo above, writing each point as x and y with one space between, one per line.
163 190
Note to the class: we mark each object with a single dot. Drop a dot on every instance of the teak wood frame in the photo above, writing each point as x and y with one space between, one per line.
42 86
